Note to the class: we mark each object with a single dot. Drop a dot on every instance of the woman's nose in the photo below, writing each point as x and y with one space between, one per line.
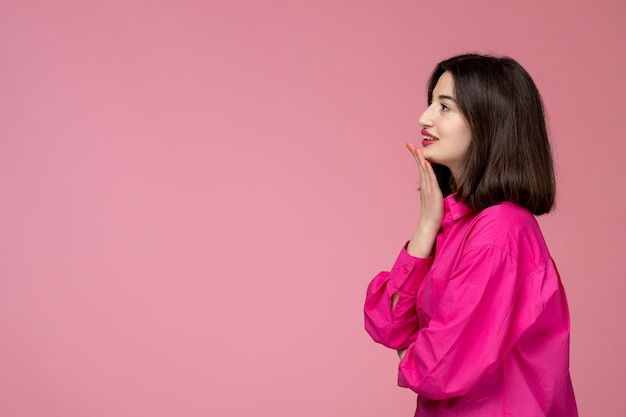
425 120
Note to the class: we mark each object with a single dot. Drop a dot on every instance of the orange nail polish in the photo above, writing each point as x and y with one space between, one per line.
425 164
408 146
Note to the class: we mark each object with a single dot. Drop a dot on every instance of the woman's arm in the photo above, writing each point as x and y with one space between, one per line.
473 324
390 312
422 242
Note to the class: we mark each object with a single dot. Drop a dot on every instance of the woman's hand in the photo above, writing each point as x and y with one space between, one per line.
431 212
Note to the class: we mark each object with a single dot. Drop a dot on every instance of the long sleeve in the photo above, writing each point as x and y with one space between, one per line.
395 329
476 315
485 321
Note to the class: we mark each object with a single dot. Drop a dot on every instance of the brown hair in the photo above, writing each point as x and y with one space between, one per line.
509 157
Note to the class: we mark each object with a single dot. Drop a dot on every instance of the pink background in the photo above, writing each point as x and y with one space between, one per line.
195 195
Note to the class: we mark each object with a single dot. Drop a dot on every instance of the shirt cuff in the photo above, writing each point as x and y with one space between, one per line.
408 272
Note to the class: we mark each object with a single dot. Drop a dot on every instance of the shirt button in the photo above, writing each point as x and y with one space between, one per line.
405 270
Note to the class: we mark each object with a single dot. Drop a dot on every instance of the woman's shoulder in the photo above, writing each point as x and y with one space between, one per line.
507 215
509 227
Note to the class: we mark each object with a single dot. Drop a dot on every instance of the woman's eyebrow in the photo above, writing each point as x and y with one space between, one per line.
445 97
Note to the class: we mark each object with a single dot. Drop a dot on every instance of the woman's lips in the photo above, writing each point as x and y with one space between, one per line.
429 139
426 133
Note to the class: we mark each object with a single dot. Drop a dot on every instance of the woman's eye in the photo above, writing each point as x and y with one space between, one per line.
444 107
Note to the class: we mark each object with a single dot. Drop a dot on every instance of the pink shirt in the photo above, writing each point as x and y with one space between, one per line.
485 319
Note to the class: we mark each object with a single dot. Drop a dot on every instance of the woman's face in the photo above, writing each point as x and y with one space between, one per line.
446 132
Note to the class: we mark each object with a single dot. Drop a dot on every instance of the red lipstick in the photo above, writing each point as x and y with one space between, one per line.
431 139
426 133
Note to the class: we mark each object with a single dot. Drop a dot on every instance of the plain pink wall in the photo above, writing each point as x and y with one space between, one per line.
195 195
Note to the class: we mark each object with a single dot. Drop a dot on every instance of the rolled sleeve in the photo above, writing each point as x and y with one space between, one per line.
408 272
395 328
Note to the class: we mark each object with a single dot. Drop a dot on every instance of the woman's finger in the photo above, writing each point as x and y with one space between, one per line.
425 178
414 153
413 150
416 156
433 183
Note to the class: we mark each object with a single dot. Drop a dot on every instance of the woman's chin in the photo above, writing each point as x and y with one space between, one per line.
428 155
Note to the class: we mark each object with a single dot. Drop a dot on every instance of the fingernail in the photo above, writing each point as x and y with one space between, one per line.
408 146
425 164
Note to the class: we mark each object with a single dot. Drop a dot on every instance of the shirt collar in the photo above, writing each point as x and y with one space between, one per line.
457 209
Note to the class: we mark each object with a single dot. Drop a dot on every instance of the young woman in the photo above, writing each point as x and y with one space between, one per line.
474 304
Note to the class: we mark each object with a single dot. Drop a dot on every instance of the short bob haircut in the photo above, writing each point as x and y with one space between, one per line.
509 157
